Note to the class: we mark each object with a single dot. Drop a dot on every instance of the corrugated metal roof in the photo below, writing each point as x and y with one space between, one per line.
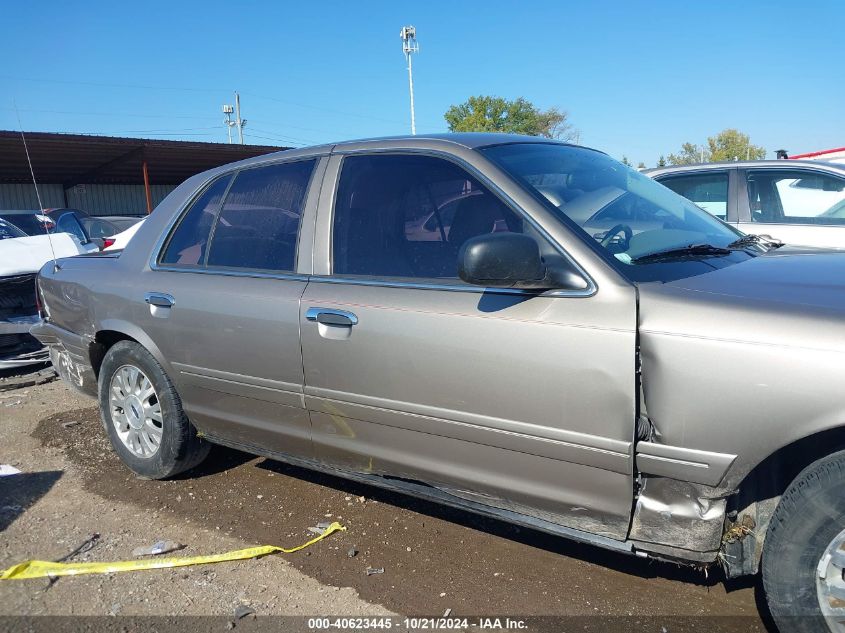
71 159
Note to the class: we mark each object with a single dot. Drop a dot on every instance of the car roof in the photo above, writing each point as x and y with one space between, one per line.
454 141
470 140
748 164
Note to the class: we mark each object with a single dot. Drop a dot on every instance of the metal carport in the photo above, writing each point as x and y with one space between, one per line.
108 175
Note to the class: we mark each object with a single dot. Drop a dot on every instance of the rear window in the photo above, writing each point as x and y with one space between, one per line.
29 223
187 243
8 231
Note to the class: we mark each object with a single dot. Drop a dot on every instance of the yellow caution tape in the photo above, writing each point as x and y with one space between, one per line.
47 569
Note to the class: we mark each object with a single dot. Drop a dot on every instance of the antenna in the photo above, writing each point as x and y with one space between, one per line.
35 184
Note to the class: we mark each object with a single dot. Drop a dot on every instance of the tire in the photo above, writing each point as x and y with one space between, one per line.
150 433
808 524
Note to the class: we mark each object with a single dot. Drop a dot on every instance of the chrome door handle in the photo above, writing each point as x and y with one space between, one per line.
159 299
330 316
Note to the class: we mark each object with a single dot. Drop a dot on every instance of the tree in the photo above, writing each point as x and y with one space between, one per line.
625 161
688 155
495 114
641 165
661 162
732 144
729 144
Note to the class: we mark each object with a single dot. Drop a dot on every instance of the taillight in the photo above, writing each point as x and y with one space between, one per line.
108 241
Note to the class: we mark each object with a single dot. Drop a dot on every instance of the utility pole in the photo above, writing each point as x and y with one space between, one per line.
241 123
410 46
227 110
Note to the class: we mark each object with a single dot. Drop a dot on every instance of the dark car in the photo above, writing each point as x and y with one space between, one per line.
86 227
28 221
9 230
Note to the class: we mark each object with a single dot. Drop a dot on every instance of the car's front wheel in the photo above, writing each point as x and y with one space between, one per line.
143 415
804 552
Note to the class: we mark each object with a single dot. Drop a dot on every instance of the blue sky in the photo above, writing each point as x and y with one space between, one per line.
638 79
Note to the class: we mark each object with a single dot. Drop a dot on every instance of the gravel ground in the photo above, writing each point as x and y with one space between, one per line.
434 558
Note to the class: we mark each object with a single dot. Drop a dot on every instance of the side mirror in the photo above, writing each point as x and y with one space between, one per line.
513 260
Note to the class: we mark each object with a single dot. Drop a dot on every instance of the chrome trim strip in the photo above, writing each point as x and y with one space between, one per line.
684 464
598 443
252 381
411 424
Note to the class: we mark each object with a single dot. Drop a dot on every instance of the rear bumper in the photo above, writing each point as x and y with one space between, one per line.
17 347
69 354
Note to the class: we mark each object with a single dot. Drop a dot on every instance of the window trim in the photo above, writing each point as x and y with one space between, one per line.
745 205
428 283
161 245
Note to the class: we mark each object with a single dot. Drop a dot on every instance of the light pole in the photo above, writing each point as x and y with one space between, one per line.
238 120
227 110
410 46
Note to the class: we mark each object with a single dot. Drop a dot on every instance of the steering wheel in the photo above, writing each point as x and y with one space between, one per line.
619 228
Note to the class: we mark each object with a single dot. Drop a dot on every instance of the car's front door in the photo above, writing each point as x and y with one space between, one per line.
711 190
222 303
801 207
516 400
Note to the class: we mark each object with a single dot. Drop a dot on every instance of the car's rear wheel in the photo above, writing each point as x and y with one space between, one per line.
804 553
143 415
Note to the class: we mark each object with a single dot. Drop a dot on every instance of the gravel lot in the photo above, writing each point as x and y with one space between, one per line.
434 559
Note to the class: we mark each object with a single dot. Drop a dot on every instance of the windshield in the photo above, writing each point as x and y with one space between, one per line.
9 231
645 229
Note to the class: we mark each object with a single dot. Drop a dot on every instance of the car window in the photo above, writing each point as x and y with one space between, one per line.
709 191
643 228
257 227
796 197
99 228
186 246
68 223
407 216
8 231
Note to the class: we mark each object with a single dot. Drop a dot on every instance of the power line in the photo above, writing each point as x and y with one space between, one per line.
286 136
124 114
267 138
194 89
110 85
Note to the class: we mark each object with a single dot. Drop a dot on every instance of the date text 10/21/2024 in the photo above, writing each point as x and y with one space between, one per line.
418 623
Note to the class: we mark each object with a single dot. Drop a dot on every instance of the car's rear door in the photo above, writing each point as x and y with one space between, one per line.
222 304
514 400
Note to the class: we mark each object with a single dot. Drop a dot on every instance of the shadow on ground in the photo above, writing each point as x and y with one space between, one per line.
21 491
